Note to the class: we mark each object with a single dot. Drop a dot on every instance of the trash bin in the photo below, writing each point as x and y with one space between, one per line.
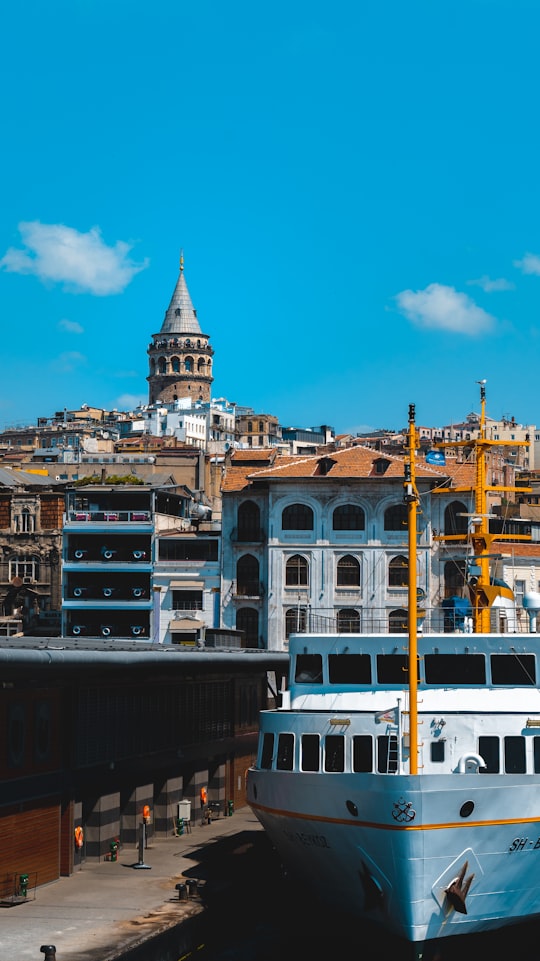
23 885
230 808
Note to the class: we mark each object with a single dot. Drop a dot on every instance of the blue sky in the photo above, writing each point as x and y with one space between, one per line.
355 187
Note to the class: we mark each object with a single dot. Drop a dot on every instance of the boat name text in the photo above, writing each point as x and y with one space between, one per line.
308 840
522 844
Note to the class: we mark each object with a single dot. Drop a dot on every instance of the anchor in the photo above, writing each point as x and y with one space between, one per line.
457 891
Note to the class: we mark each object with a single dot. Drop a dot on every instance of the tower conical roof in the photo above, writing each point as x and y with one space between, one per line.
181 317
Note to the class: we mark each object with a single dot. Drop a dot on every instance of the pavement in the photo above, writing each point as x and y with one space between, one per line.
105 910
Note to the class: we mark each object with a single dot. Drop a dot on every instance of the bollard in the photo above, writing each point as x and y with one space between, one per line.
182 891
230 808
49 951
23 885
192 886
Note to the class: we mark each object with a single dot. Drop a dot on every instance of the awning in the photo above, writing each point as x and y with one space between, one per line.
188 584
186 624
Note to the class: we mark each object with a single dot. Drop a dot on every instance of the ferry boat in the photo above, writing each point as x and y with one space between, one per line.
411 799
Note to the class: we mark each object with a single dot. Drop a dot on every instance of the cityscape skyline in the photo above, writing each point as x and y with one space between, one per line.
355 195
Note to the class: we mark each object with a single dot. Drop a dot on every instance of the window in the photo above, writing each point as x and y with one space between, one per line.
267 751
309 750
334 753
285 752
24 567
296 571
249 522
536 754
514 755
513 669
175 365
437 751
488 749
348 572
519 591
308 669
348 517
297 517
188 364
394 669
247 620
261 427
247 576
349 668
454 520
398 622
348 621
398 571
187 600
395 518
190 549
362 753
295 620
455 669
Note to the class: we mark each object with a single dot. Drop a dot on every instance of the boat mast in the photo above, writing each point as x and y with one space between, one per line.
411 500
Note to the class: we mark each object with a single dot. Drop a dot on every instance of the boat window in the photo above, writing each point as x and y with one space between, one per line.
437 751
386 753
393 669
334 753
349 668
488 748
536 754
514 754
309 752
267 751
513 669
285 752
308 669
363 752
455 669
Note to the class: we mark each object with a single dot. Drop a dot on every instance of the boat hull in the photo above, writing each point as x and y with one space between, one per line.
424 856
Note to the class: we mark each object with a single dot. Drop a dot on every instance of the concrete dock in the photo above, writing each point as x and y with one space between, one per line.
108 910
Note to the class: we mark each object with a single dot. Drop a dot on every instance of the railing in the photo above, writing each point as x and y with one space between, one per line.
436 620
131 517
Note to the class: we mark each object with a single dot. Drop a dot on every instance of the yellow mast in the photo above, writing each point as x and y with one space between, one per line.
483 592
411 499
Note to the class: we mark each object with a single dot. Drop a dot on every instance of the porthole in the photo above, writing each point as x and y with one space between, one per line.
352 809
466 809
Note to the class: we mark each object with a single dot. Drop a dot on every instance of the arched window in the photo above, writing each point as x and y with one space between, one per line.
398 571
250 426
297 517
261 427
348 572
188 364
295 620
348 621
201 365
398 622
175 365
162 365
395 517
453 522
296 571
247 576
247 620
348 517
249 522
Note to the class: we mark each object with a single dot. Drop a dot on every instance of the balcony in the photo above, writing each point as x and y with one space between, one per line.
249 589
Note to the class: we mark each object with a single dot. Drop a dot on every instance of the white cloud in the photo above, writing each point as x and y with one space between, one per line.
130 401
489 285
83 262
444 308
529 265
71 326
69 361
